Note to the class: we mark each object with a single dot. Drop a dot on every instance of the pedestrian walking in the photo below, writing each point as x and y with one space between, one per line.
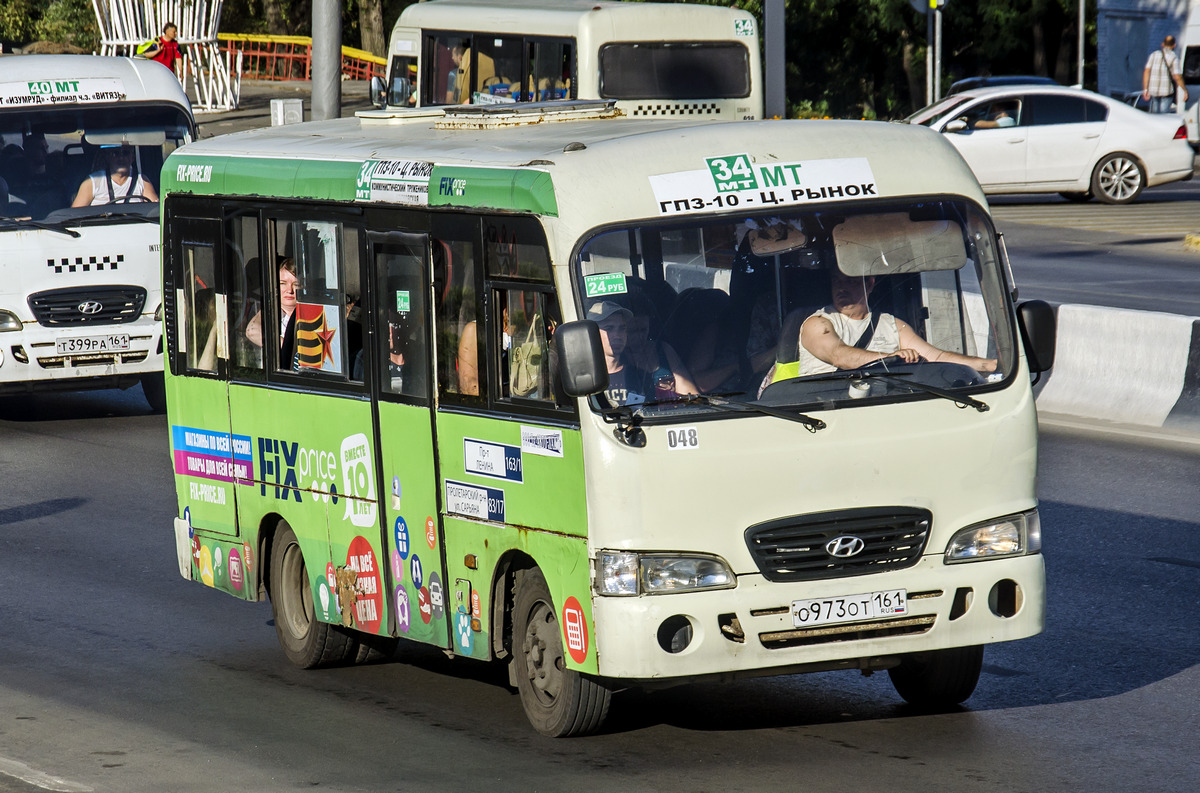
1160 77
168 52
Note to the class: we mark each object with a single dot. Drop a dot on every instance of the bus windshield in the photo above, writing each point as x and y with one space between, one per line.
806 309
49 154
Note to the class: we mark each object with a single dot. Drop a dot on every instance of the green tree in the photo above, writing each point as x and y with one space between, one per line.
70 22
18 18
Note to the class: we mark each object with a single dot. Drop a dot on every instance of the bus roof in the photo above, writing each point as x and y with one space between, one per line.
39 80
586 172
561 17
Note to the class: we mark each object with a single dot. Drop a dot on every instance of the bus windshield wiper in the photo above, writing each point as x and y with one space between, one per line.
128 215
37 224
900 378
722 401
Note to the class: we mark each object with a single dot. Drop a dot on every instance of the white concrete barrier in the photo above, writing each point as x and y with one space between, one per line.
1118 365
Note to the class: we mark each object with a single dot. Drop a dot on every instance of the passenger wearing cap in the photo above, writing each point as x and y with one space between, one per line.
116 181
627 385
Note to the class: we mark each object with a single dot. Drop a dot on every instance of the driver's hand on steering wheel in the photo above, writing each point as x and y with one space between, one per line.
908 355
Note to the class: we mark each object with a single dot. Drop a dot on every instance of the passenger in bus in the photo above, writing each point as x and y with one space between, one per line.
847 334
627 384
289 285
115 181
406 366
649 353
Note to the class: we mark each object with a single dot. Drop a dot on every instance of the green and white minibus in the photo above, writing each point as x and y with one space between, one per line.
521 382
657 60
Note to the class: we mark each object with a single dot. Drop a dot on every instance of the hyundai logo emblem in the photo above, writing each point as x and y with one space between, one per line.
90 307
845 546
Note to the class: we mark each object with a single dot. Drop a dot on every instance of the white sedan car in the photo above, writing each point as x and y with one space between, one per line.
1055 139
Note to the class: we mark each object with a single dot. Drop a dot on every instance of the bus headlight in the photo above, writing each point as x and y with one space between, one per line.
9 321
1013 535
628 573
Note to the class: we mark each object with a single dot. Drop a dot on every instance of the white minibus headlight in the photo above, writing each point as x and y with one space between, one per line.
626 573
9 321
1013 535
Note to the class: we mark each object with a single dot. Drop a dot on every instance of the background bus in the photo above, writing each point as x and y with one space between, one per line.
399 422
80 288
656 59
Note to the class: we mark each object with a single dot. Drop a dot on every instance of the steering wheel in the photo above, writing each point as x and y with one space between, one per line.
131 199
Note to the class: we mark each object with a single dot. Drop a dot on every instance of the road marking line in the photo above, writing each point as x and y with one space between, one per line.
31 776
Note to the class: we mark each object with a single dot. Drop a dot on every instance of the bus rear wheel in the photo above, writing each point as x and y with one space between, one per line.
938 679
307 642
559 702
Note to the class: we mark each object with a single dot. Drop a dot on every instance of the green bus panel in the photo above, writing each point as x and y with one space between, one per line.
562 559
541 483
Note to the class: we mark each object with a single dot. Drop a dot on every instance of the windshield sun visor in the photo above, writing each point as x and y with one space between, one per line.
893 243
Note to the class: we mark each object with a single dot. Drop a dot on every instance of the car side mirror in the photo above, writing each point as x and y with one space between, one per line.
378 92
957 125
1039 334
580 353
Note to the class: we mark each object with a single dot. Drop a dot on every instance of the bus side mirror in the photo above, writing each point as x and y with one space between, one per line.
580 358
378 92
1039 332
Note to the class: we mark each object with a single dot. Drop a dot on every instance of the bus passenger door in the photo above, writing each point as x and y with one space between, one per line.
408 466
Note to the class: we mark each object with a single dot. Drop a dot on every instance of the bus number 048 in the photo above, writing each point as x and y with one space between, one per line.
683 438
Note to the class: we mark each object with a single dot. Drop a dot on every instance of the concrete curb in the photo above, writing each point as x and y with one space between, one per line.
1139 368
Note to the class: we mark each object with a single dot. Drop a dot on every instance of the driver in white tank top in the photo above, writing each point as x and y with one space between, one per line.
115 181
827 338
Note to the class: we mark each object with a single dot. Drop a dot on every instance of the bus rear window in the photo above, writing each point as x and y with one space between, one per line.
674 70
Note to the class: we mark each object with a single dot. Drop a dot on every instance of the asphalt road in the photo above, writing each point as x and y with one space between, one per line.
117 675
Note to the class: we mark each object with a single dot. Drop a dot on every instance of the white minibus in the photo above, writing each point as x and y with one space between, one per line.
657 60
84 139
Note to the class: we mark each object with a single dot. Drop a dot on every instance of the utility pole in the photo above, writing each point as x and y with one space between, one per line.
774 63
326 60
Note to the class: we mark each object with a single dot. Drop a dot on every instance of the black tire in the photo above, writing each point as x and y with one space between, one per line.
307 642
1118 178
154 388
558 702
938 679
1078 197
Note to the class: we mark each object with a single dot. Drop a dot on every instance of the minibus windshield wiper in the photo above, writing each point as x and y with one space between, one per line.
128 216
37 224
900 378
722 401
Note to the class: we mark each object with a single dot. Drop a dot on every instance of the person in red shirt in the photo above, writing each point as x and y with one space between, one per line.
168 51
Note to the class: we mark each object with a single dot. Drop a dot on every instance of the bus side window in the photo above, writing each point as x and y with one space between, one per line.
458 308
322 295
199 276
528 320
550 64
245 279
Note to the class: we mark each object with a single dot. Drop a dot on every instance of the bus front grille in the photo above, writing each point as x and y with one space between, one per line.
92 359
864 541
88 305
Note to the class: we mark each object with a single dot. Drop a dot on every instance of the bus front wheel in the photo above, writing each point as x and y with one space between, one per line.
938 679
559 702
307 642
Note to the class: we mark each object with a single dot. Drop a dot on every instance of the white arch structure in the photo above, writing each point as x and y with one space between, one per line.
209 77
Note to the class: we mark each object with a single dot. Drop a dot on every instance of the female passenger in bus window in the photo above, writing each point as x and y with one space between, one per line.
288 286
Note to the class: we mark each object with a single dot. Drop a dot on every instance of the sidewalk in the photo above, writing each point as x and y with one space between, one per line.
254 108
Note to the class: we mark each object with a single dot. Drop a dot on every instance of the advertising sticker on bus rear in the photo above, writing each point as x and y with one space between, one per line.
736 181
51 92
394 182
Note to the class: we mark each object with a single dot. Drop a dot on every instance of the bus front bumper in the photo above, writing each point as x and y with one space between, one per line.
34 359
749 630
